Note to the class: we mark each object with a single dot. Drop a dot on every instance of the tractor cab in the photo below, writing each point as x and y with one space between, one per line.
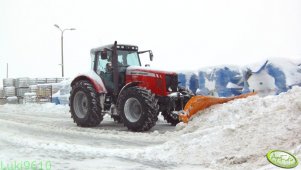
111 61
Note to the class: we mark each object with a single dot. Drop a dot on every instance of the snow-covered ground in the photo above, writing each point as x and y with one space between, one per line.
234 135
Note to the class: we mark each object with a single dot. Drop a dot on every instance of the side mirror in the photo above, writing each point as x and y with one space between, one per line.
104 54
151 56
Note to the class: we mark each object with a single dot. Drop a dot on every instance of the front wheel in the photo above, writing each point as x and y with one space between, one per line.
138 109
84 105
171 118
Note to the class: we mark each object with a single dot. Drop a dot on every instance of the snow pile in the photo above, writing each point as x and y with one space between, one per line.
234 135
237 134
35 108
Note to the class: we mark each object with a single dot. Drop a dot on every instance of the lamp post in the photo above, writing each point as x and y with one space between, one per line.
6 70
62 38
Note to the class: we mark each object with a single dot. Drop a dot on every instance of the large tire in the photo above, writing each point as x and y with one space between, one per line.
84 104
172 119
138 109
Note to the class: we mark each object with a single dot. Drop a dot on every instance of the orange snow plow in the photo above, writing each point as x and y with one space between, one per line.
198 103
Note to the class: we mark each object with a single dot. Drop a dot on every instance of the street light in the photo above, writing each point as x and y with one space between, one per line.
62 37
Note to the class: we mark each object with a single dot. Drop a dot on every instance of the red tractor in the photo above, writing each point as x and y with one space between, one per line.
118 85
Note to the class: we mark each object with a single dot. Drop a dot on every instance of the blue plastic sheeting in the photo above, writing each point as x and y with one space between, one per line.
182 79
225 76
55 100
232 82
221 77
279 76
193 83
202 84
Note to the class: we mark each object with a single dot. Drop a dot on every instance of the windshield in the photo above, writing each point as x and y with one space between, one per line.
128 58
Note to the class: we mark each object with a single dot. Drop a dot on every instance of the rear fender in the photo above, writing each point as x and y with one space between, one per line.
94 79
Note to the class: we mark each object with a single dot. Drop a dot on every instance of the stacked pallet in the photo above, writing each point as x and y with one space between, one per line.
30 98
9 91
33 88
44 90
8 82
30 89
22 86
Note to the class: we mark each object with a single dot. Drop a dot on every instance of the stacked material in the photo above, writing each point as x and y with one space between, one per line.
12 100
33 88
22 82
8 82
30 97
22 86
22 91
9 91
44 90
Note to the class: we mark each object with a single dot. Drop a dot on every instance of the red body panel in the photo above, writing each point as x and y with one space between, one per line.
153 80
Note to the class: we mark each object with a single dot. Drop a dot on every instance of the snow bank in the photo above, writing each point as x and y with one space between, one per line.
49 108
237 134
234 135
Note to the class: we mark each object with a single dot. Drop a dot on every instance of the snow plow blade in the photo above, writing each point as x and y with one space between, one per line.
198 103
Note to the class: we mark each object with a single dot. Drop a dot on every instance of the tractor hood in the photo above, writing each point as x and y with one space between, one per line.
146 71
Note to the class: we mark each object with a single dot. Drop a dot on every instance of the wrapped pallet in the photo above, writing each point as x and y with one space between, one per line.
9 91
44 90
30 98
22 82
22 91
12 100
8 82
33 88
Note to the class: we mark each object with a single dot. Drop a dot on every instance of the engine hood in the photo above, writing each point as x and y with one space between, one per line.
135 70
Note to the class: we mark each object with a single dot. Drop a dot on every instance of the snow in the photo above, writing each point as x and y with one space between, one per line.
91 74
234 135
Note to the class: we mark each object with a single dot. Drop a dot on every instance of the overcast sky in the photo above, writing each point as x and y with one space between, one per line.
183 34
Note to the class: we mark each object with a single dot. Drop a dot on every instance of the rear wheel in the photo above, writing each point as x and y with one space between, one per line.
84 104
138 109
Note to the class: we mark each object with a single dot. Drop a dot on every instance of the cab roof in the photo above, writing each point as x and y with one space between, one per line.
119 47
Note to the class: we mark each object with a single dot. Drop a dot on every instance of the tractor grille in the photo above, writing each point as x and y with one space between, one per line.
171 82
